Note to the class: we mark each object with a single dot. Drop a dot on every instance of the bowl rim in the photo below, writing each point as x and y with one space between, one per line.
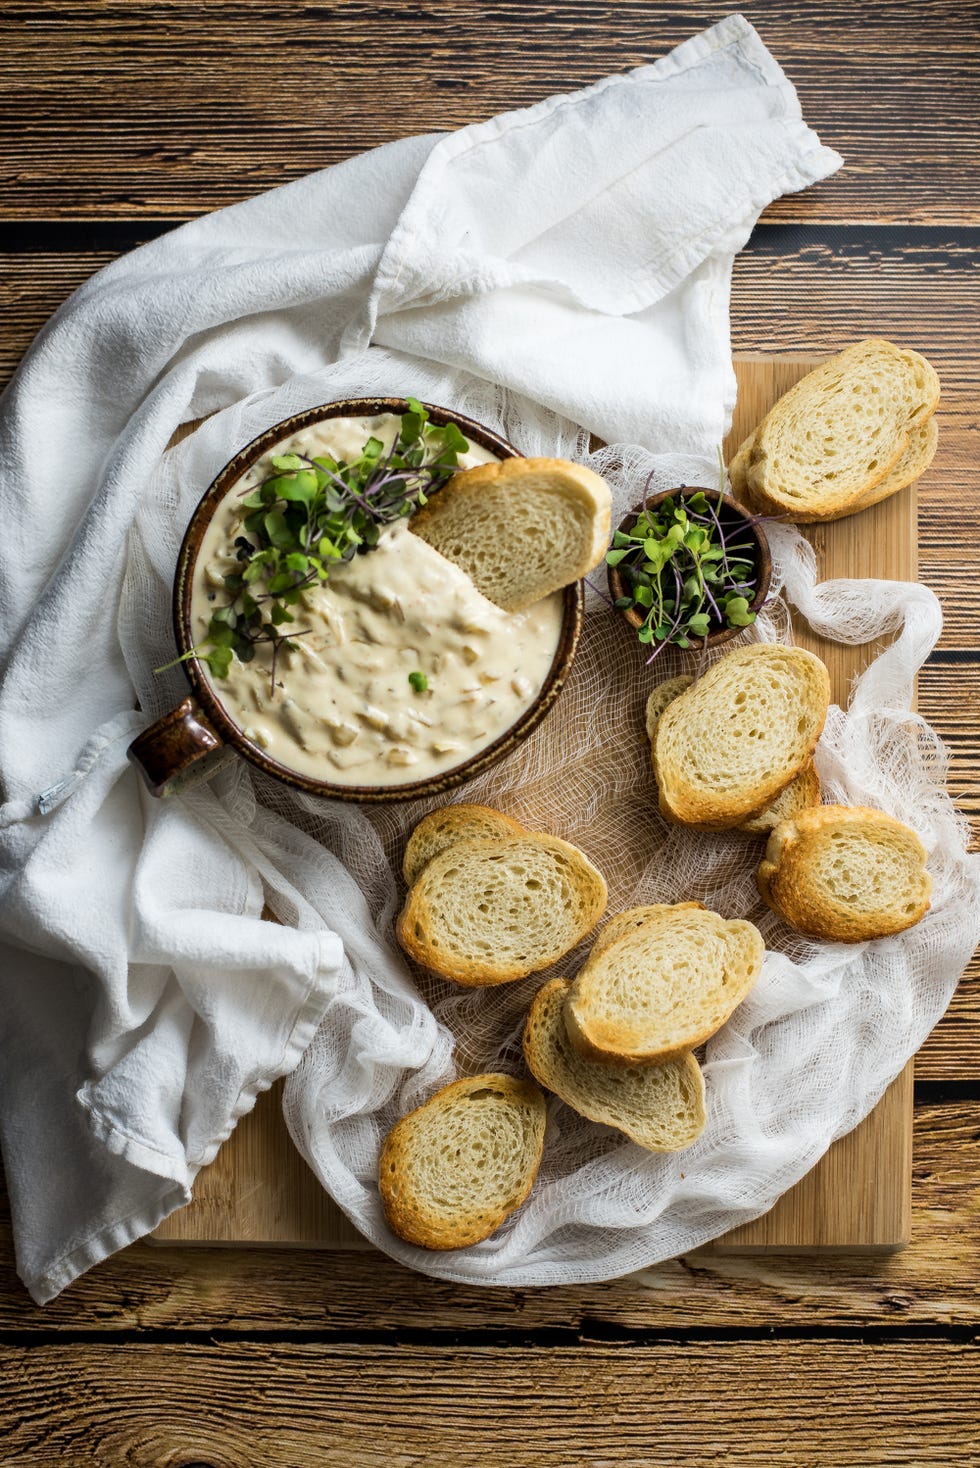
573 606
721 635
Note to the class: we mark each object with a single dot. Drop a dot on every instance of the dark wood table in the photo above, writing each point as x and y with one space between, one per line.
123 120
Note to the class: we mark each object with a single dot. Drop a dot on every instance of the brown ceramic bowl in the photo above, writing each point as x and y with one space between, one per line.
200 727
733 516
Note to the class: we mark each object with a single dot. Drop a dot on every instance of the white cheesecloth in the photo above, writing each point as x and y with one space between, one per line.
556 272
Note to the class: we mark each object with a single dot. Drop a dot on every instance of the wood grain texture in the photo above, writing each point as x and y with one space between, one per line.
812 288
115 110
170 1289
330 1406
122 116
951 1051
795 290
949 697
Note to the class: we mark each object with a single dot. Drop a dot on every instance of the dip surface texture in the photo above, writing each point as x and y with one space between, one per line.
344 709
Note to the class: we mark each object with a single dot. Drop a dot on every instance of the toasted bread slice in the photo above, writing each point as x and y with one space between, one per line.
923 440
488 912
520 529
663 694
442 828
738 468
724 749
634 917
921 450
803 789
664 988
838 433
661 1107
452 1170
847 874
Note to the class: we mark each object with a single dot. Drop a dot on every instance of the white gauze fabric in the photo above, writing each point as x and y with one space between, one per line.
803 1059
554 272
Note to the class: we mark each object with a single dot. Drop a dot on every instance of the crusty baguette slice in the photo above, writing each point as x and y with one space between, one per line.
488 912
846 874
919 453
634 917
838 433
442 828
803 789
921 450
738 468
520 529
661 1107
452 1170
727 747
664 988
663 694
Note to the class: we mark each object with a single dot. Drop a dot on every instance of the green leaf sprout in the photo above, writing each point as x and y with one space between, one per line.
685 569
312 513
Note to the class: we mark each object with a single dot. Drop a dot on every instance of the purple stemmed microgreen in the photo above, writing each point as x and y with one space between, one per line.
311 514
684 570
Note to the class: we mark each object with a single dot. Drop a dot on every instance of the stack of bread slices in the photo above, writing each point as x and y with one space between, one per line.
803 789
734 750
616 1044
489 902
855 430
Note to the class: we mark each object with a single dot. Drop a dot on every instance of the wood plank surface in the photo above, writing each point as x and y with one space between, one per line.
166 1289
857 1198
119 119
260 1403
171 108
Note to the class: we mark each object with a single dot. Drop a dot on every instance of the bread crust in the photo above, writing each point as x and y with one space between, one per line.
755 481
803 791
416 1217
797 875
420 916
442 828
660 696
594 1020
719 702
558 1067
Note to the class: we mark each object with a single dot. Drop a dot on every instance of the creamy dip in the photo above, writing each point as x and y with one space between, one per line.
344 709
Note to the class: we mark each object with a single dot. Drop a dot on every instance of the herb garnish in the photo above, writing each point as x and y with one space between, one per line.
418 681
310 514
685 570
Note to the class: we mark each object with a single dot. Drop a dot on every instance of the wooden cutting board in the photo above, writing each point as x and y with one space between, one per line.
857 1199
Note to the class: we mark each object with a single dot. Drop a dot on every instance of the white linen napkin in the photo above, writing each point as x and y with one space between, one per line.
577 255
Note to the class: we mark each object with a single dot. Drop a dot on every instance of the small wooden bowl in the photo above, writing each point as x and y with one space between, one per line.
733 516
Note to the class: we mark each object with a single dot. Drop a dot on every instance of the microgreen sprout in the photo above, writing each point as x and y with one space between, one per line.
311 514
688 570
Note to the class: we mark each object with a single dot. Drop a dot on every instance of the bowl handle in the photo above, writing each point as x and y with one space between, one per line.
168 750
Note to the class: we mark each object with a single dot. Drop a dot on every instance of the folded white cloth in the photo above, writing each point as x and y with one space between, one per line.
571 259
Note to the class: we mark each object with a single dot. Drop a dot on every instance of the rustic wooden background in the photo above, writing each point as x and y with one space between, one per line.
119 121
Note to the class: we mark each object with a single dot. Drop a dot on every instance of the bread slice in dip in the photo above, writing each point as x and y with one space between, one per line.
522 528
